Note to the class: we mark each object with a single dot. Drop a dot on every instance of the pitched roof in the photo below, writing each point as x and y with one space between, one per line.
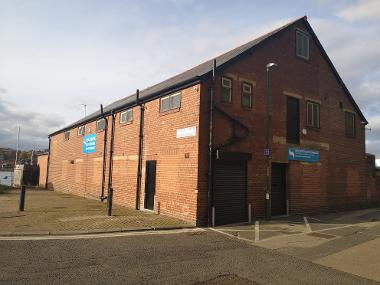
195 74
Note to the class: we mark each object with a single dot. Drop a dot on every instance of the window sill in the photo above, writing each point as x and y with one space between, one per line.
126 124
311 128
306 60
170 111
246 108
350 136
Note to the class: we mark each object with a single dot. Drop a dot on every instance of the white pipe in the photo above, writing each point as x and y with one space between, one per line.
249 213
213 216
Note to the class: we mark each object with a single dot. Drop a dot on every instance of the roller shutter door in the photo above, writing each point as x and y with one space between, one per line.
230 192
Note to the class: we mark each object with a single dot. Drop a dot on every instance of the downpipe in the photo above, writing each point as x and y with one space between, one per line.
102 197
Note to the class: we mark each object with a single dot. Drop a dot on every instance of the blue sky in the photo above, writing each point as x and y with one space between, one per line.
55 55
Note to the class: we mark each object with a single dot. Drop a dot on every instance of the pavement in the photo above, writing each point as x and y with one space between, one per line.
189 256
52 213
346 241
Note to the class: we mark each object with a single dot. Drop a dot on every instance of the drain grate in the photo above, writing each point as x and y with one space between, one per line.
321 235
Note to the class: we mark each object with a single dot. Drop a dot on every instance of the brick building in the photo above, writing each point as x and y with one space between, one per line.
286 137
42 159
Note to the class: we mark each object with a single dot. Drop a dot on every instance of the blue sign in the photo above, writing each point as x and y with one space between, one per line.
303 154
89 144
266 152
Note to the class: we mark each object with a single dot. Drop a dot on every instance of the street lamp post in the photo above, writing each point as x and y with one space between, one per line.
267 150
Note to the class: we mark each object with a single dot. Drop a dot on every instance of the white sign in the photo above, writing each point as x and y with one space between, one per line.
186 132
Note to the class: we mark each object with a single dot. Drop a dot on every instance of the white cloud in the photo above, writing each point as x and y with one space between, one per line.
362 10
378 162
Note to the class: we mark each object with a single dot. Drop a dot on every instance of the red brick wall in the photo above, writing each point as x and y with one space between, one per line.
339 180
177 159
42 163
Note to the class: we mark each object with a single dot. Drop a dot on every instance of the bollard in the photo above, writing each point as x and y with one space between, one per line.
249 213
109 202
22 198
213 216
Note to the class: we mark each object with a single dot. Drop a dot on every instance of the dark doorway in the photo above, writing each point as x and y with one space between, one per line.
292 121
150 184
230 192
278 201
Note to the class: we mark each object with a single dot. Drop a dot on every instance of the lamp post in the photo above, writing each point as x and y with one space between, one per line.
85 109
267 151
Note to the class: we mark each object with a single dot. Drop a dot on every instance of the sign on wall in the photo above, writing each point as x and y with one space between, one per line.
303 154
186 132
89 144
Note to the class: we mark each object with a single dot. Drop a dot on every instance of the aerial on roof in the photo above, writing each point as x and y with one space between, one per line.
195 74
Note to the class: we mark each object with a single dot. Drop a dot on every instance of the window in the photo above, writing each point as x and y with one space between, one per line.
67 135
313 111
302 45
226 94
170 102
350 124
246 95
100 125
126 116
292 121
81 131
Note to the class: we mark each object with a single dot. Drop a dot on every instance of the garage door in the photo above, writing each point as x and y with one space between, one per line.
230 192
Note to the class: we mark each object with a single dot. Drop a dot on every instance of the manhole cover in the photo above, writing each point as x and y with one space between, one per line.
326 236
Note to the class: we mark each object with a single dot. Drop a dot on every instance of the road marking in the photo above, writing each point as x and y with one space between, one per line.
227 234
101 235
308 228
257 231
305 233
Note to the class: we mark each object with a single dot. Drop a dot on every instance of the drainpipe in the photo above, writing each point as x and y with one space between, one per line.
210 194
268 193
48 165
141 140
102 198
110 166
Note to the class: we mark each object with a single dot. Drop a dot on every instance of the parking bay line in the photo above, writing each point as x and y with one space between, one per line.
257 231
308 228
305 233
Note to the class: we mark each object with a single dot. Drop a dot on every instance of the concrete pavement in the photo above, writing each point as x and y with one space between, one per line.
53 213
347 241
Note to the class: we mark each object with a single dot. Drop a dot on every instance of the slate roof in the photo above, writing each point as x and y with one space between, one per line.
195 74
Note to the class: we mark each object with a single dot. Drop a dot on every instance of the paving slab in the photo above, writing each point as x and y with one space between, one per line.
362 260
52 213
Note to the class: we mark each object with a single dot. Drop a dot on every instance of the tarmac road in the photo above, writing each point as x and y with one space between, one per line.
198 257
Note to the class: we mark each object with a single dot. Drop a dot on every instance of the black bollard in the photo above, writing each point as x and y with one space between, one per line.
22 198
109 202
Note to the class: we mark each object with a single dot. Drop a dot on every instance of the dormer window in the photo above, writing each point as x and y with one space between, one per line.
302 45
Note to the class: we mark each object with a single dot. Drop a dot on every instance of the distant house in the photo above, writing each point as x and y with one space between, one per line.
267 129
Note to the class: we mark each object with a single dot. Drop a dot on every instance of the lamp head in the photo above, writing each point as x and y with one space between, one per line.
271 64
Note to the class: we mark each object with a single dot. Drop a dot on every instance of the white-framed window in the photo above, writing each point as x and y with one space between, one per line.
313 114
170 102
100 124
350 124
226 93
126 116
67 135
246 95
81 130
302 44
